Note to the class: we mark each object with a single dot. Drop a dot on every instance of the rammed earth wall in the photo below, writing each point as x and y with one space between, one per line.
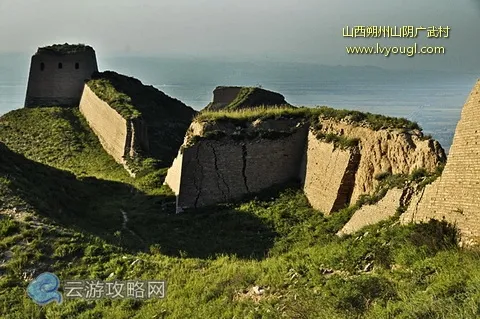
119 137
211 171
371 214
328 174
387 150
214 171
243 97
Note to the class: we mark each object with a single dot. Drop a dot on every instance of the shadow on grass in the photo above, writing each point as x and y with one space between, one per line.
95 207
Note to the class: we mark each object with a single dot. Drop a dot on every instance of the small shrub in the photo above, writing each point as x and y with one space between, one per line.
418 173
354 296
8 226
427 137
435 235
382 176
66 250
155 249
214 135
338 140
92 250
431 177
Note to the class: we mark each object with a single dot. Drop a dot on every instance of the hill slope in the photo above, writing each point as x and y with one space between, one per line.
59 137
272 256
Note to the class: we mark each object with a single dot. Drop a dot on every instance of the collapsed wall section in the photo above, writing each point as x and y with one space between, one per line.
336 161
223 96
137 137
394 151
455 196
328 174
371 214
174 173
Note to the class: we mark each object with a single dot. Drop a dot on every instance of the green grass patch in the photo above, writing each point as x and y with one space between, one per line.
8 226
374 121
425 178
241 135
56 171
388 181
242 96
59 137
248 97
338 140
119 101
212 259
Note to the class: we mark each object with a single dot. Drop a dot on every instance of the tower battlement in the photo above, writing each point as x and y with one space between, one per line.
58 73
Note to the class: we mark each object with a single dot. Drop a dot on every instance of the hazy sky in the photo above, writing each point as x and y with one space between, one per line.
287 30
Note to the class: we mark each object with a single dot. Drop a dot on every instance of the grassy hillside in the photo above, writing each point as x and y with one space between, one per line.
61 204
59 137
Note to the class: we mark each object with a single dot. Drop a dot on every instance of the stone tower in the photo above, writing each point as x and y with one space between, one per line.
58 73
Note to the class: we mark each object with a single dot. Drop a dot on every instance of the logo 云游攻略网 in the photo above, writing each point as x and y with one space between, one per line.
46 289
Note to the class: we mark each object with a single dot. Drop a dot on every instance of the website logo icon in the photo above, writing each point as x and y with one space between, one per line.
44 289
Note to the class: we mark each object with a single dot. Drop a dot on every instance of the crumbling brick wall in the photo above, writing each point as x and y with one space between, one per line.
371 214
58 79
455 196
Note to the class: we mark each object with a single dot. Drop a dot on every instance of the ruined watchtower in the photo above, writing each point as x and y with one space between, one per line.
58 73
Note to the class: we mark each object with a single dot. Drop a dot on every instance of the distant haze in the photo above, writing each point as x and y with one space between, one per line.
280 30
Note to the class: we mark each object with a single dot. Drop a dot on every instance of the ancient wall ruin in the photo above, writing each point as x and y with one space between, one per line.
235 97
57 78
387 150
328 174
174 174
455 196
224 95
212 171
371 214
158 122
118 136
